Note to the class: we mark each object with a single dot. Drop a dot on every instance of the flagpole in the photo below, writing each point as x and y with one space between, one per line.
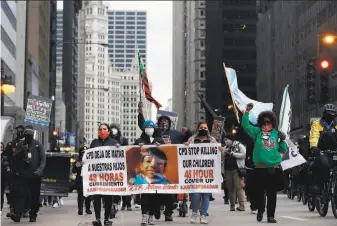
234 106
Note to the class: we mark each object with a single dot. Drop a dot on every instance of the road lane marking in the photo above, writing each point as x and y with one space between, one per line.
294 218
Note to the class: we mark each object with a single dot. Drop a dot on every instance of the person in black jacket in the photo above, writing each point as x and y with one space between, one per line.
77 168
104 139
148 206
28 160
117 135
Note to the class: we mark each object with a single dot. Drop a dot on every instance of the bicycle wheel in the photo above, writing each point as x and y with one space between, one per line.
322 205
334 201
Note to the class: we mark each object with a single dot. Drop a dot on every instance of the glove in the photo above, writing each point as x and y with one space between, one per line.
315 151
281 136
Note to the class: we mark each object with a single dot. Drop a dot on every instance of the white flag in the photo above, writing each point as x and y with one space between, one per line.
292 157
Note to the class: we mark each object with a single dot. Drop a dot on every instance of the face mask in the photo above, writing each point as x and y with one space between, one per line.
20 135
328 117
29 138
103 134
203 132
149 131
114 131
163 126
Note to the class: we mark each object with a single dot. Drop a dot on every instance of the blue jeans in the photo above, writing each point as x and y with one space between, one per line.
195 199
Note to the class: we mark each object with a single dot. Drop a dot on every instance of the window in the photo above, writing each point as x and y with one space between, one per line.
119 13
202 12
130 22
111 27
119 32
120 36
202 85
8 13
119 51
130 41
142 46
130 46
119 60
8 42
130 13
119 27
130 18
130 27
140 37
129 51
141 13
142 50
141 32
141 18
119 46
119 41
119 22
110 36
130 56
130 37
141 41
110 17
141 22
202 74
141 27
119 65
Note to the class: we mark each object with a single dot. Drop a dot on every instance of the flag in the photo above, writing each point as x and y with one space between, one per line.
145 83
241 100
292 157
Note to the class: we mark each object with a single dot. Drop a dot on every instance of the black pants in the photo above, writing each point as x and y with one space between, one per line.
226 197
81 199
107 199
149 204
251 189
116 199
266 180
26 195
137 199
168 201
321 169
126 201
3 188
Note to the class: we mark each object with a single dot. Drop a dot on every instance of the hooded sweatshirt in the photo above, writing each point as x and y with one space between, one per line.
171 136
266 152
121 140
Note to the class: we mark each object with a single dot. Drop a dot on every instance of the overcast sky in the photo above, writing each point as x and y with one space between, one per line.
159 43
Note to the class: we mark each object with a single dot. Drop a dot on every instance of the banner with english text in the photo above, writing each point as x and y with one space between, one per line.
167 168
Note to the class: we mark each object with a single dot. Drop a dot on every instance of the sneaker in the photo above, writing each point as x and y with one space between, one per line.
97 223
137 206
16 218
150 220
144 220
194 217
88 212
61 201
271 220
55 205
240 208
253 211
80 212
203 220
107 223
232 208
129 208
32 219
168 217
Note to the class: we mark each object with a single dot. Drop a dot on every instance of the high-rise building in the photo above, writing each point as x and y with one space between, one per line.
189 27
127 33
198 56
169 105
287 37
70 62
102 87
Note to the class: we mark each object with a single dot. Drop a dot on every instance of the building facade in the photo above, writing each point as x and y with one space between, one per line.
127 34
287 35
70 62
169 105
189 33
102 87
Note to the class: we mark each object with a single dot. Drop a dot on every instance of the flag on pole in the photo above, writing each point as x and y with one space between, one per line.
292 157
145 83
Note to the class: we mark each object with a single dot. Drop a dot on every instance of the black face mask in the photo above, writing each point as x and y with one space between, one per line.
202 132
20 135
328 117
29 138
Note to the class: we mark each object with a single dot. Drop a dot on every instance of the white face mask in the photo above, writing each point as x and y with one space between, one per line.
114 131
149 131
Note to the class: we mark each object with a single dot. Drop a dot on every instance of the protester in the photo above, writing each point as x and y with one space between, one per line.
235 171
224 187
27 164
3 176
104 139
323 137
77 168
55 201
148 203
117 135
266 157
202 136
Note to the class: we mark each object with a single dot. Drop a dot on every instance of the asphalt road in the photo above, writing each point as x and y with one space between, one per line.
288 213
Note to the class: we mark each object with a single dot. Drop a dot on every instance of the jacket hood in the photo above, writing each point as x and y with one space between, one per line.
115 125
267 114
167 118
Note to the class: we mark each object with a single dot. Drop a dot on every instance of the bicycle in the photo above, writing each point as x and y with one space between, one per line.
330 189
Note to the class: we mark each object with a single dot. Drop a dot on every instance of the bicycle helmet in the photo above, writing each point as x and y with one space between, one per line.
330 108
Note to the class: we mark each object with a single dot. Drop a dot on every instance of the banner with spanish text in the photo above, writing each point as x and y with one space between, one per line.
152 169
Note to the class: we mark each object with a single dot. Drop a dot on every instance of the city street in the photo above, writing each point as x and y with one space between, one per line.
288 213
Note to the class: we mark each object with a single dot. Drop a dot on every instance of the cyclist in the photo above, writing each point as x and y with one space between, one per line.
323 136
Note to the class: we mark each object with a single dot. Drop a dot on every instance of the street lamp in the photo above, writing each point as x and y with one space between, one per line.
329 39
7 87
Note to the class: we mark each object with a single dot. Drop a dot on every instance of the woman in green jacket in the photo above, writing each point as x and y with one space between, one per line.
269 144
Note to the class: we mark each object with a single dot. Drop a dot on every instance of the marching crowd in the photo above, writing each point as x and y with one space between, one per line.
251 169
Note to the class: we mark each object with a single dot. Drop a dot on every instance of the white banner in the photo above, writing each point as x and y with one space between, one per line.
150 169
292 157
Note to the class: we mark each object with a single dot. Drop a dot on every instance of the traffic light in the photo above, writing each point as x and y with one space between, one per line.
55 133
311 81
324 77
